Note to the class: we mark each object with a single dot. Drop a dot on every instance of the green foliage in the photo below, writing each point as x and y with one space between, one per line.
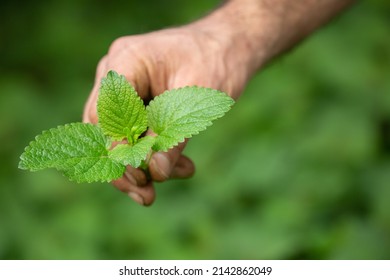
132 155
120 110
82 151
300 169
181 113
77 149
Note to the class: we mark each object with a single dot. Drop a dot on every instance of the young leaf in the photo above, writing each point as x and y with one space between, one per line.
132 155
181 113
121 112
79 150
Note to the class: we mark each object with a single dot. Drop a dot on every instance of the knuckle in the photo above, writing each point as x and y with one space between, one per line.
117 45
101 64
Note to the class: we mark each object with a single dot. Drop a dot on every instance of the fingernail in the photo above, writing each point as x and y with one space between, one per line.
129 177
162 165
136 197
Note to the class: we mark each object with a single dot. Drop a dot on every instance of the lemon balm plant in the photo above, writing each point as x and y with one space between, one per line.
84 153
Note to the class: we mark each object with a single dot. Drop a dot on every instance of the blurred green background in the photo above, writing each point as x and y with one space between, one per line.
299 169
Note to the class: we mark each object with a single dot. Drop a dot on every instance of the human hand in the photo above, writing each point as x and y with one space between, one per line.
153 63
220 51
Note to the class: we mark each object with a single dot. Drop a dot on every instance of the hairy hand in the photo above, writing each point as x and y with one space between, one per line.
153 63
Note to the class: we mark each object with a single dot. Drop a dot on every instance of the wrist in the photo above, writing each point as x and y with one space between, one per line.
252 32
243 46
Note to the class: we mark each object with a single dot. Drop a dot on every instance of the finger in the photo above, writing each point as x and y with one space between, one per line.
90 114
128 60
136 186
161 164
135 176
135 72
183 169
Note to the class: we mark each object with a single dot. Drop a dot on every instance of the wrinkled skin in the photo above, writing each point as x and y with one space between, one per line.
153 63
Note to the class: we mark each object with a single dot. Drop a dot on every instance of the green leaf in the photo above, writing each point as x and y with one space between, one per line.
180 113
132 155
79 150
121 112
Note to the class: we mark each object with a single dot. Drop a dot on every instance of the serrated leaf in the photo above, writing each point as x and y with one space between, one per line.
121 112
79 150
180 113
132 155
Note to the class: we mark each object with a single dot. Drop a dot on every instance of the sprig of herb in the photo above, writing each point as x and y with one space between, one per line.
84 153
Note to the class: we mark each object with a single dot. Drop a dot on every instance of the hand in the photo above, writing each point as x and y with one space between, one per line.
153 63
221 51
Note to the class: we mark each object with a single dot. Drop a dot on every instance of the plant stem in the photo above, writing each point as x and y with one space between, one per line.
145 165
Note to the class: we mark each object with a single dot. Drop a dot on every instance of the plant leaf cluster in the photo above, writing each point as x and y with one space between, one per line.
84 153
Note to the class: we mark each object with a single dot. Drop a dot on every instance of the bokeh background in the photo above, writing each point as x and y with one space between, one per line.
298 169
